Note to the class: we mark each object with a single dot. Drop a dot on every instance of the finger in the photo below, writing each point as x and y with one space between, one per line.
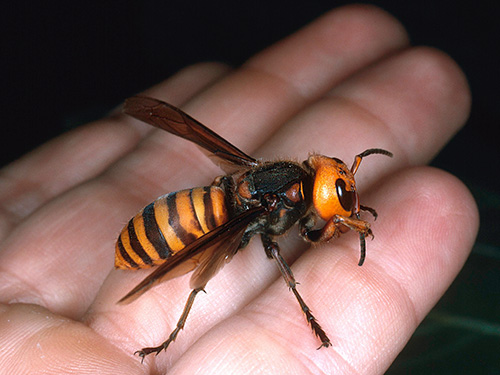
83 153
68 259
420 95
40 342
418 250
422 241
411 103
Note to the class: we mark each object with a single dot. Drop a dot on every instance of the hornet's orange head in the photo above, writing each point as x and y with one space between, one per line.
334 187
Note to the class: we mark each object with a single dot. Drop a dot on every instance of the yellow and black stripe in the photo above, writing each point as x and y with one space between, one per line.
169 224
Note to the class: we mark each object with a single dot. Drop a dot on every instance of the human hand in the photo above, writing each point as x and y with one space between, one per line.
345 83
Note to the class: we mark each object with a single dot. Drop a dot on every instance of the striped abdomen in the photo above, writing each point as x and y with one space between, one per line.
169 224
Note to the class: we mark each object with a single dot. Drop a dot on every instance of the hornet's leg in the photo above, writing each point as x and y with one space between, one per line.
180 325
273 251
339 224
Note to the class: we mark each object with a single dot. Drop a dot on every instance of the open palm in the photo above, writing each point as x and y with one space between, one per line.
345 83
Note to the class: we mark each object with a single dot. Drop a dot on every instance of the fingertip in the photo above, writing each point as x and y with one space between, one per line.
331 48
445 86
429 221
371 17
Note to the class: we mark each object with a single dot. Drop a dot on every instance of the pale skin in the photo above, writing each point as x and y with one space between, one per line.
347 82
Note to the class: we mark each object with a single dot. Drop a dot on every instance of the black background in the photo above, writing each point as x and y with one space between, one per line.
66 63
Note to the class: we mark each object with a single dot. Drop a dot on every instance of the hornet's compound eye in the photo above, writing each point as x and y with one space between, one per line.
346 197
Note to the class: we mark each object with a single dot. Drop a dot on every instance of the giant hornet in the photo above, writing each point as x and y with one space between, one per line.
202 228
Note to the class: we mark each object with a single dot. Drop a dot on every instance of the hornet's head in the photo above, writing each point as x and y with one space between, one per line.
334 188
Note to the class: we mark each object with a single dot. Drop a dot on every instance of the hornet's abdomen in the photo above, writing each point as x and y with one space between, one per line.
169 224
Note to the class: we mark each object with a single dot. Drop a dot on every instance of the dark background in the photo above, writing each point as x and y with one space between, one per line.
66 63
